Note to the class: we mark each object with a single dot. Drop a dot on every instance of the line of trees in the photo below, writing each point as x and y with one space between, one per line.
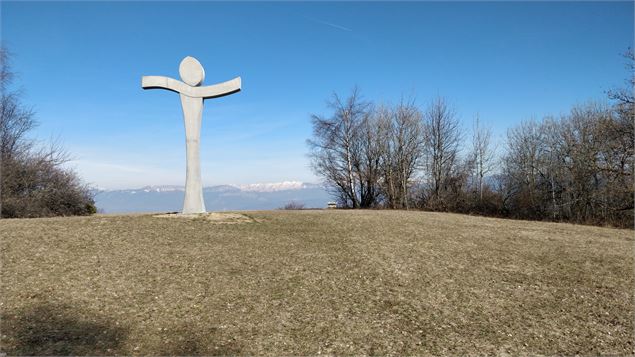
575 168
578 167
33 180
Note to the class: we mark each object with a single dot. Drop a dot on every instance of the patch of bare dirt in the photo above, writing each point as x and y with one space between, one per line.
214 217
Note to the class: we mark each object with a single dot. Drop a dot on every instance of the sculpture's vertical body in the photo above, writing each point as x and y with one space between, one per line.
192 115
192 96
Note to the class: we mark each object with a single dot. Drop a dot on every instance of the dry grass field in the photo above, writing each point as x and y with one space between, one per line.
314 282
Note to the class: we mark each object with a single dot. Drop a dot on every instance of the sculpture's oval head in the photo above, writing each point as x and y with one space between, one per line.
191 71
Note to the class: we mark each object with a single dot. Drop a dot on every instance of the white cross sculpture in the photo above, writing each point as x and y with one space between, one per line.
192 96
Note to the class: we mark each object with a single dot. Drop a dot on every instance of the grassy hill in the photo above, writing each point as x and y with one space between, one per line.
314 282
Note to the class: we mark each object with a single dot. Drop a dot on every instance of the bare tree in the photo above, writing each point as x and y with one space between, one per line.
521 162
33 181
599 161
293 205
335 146
442 136
402 128
368 167
15 120
624 95
482 155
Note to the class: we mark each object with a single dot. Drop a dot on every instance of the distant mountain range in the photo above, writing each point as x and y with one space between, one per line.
261 196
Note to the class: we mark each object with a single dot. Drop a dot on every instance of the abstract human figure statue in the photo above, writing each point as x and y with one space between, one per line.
192 96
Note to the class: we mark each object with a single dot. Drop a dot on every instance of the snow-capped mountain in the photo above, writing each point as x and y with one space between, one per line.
277 186
165 188
169 198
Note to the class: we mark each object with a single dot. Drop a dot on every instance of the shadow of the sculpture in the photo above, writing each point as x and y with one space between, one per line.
58 329
46 329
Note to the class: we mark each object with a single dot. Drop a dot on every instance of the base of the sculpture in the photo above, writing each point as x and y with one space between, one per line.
213 217
193 205
193 210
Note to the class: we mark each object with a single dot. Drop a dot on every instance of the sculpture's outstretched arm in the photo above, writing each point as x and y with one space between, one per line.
213 91
151 82
218 90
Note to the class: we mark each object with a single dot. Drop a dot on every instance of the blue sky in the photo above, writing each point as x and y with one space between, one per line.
80 66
